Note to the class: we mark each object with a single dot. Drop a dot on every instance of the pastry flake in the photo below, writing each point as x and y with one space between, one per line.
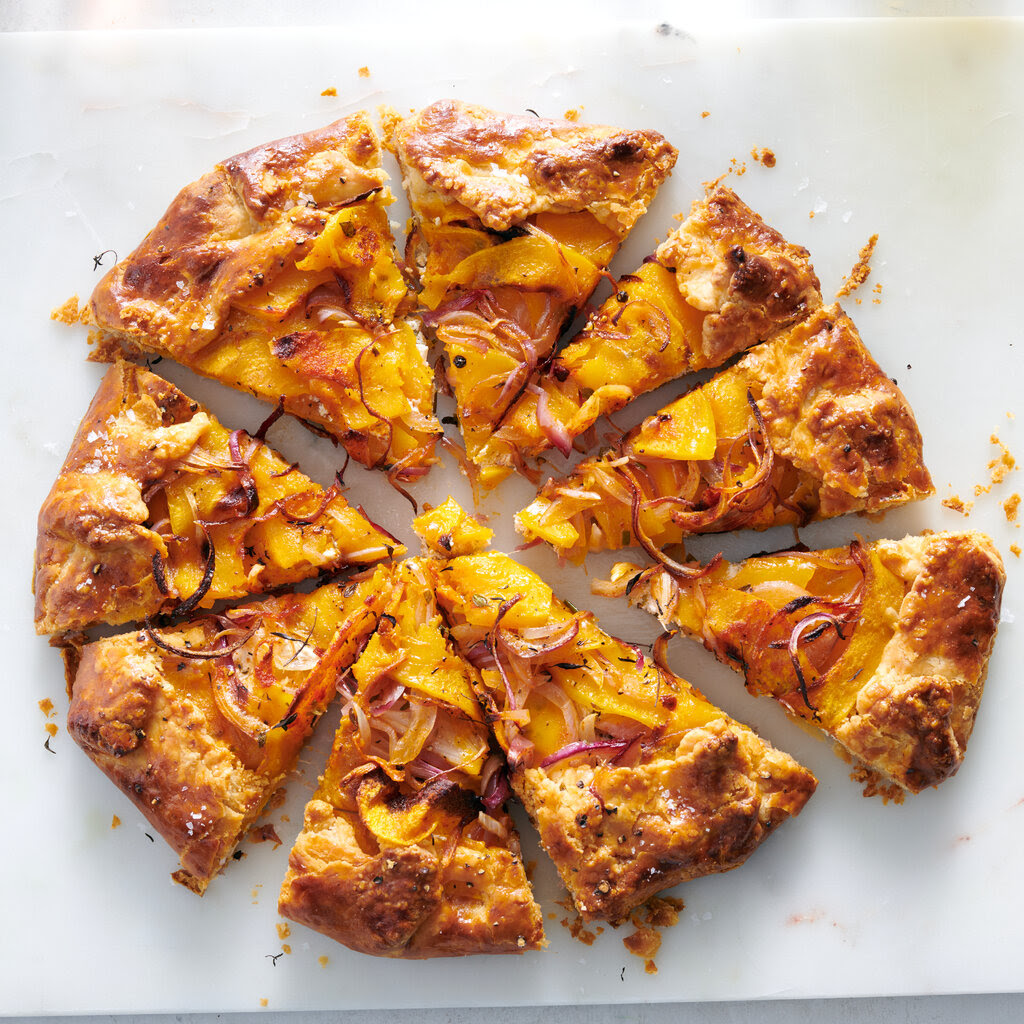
199 724
515 221
633 779
275 274
804 427
159 508
406 848
882 646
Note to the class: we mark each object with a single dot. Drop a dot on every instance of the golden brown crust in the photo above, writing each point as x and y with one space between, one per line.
157 746
831 411
407 902
619 835
189 759
94 553
506 167
225 230
914 716
739 270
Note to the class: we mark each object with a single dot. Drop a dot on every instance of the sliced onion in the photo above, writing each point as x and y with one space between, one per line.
580 747
555 431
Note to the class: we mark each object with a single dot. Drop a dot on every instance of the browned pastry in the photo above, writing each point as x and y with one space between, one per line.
406 849
515 221
159 508
275 274
634 780
199 724
719 284
883 646
802 428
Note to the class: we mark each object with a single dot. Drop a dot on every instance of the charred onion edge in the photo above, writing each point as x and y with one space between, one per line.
159 575
261 430
201 591
199 655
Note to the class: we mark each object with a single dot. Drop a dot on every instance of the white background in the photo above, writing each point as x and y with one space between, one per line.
909 129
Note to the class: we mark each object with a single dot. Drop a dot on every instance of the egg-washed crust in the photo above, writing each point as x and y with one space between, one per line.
838 434
699 800
620 835
96 551
831 411
913 715
504 168
237 232
149 719
415 899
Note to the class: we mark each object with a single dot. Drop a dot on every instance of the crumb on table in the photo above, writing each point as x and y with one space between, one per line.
957 504
329 91
861 269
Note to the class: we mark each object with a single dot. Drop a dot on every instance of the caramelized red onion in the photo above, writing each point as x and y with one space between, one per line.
555 431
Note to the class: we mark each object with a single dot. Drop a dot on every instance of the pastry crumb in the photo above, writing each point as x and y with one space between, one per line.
999 468
572 114
323 961
115 822
285 948
364 72
764 156
705 113
263 834
957 504
70 312
877 785
329 91
861 269
51 728
264 1001
1015 550
980 489
737 168
1011 507
283 930
46 706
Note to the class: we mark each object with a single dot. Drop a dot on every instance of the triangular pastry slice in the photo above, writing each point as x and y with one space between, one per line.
159 508
515 219
802 428
720 283
407 849
275 273
634 780
883 646
199 724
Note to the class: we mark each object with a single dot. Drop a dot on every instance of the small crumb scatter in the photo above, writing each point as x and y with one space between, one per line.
877 785
765 157
705 113
877 300
364 72
323 961
1015 549
737 168
331 91
1011 507
115 821
283 930
980 489
51 727
263 834
861 269
46 706
572 114
1006 463
957 504
644 942
577 931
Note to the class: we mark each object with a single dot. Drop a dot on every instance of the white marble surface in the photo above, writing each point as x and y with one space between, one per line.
108 14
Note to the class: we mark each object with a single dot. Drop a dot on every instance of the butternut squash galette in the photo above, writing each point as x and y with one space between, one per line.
198 724
633 779
407 849
722 282
275 273
804 427
883 646
159 508
516 218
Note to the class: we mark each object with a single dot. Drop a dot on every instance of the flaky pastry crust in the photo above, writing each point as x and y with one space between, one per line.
504 168
913 712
